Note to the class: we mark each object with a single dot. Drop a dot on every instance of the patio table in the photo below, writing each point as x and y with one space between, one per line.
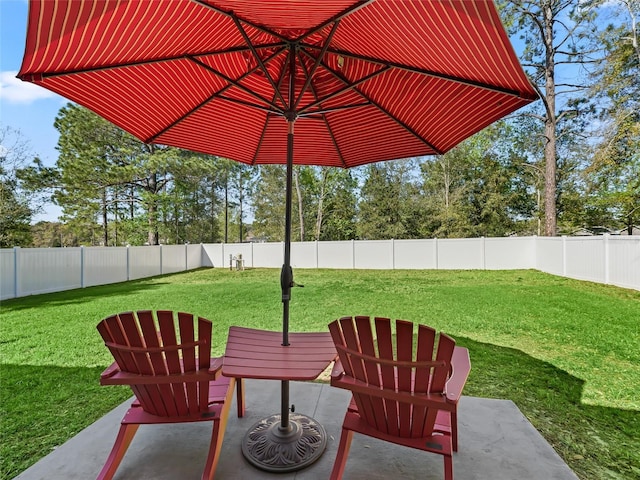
281 442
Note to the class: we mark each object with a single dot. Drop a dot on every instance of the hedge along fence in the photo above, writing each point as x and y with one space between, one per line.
604 259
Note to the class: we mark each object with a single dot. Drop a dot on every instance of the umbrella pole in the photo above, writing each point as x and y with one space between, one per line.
285 443
286 276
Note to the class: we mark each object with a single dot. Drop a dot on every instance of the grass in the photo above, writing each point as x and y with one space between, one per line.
566 352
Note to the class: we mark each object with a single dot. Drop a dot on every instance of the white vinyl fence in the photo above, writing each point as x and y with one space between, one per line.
604 259
31 271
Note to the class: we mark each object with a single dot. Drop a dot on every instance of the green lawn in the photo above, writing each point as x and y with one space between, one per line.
566 352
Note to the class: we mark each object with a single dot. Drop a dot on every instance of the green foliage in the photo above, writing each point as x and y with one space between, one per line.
388 201
613 176
323 205
16 206
561 349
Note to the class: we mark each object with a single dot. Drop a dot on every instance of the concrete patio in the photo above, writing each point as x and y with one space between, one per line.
496 442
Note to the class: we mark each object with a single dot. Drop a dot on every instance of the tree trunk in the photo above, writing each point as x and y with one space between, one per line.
105 230
320 214
550 181
152 211
226 205
240 207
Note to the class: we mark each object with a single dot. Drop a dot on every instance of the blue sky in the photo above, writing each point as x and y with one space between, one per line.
25 107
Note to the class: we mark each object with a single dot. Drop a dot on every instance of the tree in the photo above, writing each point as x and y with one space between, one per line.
269 203
555 34
613 176
16 207
388 196
336 206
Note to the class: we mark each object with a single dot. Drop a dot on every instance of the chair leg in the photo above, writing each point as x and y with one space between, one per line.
448 467
343 453
123 440
217 435
454 430
240 396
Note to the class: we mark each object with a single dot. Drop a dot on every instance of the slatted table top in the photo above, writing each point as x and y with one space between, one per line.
252 353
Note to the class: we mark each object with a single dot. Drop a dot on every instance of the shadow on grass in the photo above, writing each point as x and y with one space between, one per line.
43 406
596 442
83 295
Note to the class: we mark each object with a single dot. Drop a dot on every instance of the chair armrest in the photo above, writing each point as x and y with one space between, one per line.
460 368
110 371
215 368
337 371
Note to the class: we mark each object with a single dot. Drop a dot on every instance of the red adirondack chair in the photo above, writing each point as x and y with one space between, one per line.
171 373
398 397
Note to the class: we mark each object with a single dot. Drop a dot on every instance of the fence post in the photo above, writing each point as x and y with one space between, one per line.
128 264
607 262
81 266
483 253
564 255
317 254
435 252
393 254
161 271
353 254
16 271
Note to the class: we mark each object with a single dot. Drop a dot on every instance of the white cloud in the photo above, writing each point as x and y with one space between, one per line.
14 90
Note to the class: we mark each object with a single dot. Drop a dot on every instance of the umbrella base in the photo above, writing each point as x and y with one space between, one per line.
268 447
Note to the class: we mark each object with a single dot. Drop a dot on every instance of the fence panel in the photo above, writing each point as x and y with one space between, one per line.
624 261
335 254
144 262
509 253
304 255
7 273
195 256
550 255
267 255
584 258
415 254
212 255
103 265
44 270
461 253
174 258
373 254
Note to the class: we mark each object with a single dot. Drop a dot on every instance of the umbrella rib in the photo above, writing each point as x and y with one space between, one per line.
249 104
235 18
347 87
262 136
140 63
430 73
211 97
336 109
236 21
324 118
235 83
347 11
342 78
316 63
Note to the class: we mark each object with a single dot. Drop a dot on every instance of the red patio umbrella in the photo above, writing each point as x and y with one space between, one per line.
362 81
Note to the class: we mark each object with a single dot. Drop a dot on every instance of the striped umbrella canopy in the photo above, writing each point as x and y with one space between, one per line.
362 80
365 81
